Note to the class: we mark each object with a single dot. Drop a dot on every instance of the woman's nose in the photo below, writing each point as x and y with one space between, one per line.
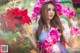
51 12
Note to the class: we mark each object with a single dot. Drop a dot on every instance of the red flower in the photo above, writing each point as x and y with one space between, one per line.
25 12
12 25
15 16
26 20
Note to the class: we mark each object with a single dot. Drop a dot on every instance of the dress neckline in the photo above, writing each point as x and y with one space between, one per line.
48 30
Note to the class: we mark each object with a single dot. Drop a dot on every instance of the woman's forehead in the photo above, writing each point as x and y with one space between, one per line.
51 6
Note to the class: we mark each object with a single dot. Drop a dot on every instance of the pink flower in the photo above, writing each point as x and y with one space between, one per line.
36 10
48 49
63 10
55 35
75 31
34 16
38 4
59 9
69 12
51 39
72 14
42 1
47 0
48 46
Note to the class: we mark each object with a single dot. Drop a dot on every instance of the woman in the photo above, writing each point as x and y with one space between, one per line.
49 20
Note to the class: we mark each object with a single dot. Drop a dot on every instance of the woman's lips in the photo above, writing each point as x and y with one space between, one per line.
51 15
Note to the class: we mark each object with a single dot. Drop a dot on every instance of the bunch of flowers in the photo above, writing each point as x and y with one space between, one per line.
15 18
62 10
75 31
51 39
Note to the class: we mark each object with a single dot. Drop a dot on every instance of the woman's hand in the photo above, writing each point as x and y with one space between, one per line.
32 40
68 38
25 34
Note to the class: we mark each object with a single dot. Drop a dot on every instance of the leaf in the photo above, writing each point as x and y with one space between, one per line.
27 43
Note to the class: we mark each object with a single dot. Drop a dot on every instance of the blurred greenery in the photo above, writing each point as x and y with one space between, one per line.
16 42
67 3
3 2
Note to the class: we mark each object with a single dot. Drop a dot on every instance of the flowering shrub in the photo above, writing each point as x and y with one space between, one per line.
15 18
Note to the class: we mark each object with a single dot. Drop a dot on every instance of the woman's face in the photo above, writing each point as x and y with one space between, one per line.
51 11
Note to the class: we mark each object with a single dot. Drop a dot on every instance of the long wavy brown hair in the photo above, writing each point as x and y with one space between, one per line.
55 22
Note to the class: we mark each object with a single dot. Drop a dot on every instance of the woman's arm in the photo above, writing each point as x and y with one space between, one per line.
68 38
32 40
34 43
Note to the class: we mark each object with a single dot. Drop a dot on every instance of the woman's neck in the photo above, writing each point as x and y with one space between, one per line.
48 24
47 27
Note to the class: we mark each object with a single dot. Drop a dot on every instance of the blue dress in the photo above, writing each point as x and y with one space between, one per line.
58 47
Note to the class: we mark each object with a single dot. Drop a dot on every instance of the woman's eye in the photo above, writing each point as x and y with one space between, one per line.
49 9
53 9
